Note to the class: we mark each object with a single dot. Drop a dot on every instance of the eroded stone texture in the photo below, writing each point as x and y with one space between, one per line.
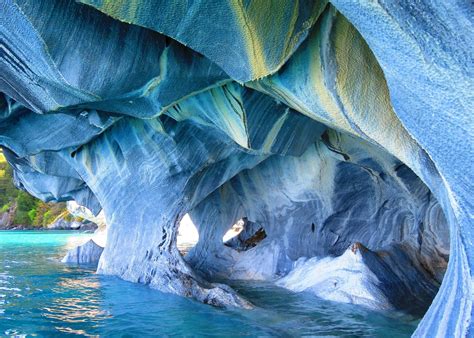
340 192
248 39
421 49
347 147
93 61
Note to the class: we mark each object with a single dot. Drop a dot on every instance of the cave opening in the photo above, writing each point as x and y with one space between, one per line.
244 235
188 235
234 230
346 221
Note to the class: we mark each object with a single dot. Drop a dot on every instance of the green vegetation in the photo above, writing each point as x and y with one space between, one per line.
7 189
26 209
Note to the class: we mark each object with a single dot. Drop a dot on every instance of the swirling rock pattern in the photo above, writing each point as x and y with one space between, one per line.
344 131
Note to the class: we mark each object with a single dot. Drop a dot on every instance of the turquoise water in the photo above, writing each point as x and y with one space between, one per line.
41 296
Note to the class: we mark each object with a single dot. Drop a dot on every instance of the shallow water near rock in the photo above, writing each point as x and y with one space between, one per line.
39 295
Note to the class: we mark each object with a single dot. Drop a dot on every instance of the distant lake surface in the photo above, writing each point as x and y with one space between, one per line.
41 296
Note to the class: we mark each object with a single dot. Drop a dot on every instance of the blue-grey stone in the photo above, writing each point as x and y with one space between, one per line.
342 133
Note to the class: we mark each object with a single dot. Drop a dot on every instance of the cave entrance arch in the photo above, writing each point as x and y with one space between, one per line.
344 202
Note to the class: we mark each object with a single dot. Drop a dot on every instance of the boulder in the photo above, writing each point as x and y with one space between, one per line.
88 253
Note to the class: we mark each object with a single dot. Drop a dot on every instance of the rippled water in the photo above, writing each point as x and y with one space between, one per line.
39 295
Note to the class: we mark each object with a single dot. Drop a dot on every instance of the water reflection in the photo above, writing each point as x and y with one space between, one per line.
77 301
68 330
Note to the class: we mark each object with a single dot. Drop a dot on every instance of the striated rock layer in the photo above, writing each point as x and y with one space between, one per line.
342 134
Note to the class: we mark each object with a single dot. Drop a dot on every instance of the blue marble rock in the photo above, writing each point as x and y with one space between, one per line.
340 133
247 39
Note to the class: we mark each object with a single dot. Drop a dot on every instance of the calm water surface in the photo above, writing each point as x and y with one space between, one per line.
43 297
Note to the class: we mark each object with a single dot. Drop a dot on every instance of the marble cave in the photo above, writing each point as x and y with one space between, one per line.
340 134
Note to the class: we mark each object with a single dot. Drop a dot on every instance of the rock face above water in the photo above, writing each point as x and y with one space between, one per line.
87 253
322 125
359 276
345 279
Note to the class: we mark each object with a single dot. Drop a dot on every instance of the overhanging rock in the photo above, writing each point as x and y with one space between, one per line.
326 124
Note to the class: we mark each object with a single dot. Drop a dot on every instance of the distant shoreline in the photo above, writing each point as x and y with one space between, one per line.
49 230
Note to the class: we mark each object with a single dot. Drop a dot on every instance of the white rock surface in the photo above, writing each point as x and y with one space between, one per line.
88 253
344 279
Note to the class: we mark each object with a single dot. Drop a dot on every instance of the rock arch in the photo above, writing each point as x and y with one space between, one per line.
361 112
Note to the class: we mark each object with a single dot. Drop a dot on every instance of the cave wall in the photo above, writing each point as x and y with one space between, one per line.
358 123
421 49
319 204
341 192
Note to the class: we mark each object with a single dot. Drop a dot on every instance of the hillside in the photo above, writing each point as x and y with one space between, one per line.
18 208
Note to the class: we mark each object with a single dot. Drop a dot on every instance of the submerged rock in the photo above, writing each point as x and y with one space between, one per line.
87 253
356 127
